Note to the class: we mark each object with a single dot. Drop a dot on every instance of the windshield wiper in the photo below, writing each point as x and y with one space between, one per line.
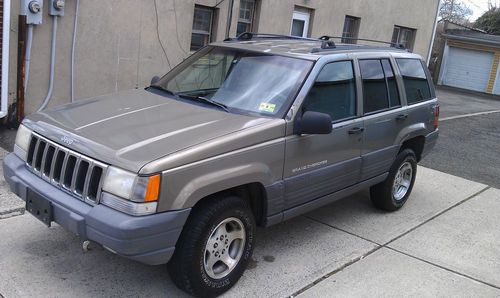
205 100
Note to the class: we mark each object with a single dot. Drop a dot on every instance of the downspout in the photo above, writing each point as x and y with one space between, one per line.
429 56
21 55
229 18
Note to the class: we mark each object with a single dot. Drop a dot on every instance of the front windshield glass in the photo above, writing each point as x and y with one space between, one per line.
242 81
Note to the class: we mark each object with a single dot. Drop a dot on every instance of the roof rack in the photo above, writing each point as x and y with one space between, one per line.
327 44
392 44
245 36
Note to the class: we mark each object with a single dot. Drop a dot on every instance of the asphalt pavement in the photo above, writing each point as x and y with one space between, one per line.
469 140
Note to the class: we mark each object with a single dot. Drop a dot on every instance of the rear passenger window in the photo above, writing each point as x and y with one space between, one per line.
334 92
380 90
415 80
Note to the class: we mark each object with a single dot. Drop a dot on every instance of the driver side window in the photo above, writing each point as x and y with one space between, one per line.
334 92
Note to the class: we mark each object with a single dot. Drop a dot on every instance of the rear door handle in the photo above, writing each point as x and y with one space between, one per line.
402 117
356 131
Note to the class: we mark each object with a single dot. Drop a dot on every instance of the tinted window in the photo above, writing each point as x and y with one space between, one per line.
334 92
374 86
394 99
415 80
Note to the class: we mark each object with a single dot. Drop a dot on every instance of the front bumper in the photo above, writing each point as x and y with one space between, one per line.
148 239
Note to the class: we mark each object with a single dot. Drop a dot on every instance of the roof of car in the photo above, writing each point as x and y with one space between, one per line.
306 48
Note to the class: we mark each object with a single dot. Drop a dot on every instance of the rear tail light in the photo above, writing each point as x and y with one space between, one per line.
436 116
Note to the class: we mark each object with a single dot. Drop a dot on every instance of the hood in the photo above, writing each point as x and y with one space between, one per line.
130 129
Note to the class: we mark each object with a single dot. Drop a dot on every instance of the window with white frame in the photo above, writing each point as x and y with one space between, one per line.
246 16
404 36
202 27
300 23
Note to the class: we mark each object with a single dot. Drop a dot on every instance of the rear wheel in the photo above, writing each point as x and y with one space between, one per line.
214 247
393 193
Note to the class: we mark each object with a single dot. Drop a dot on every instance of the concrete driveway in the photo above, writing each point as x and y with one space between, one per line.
444 242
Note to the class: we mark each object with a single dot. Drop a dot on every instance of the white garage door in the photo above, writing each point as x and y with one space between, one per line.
468 69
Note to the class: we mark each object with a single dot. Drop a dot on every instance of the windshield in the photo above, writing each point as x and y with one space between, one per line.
241 81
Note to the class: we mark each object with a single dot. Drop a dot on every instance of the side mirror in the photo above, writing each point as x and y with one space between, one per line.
155 80
314 123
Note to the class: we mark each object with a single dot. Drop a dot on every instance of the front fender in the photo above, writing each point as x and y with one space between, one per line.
214 182
183 187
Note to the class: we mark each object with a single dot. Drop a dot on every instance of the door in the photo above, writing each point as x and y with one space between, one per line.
300 24
468 69
384 117
318 165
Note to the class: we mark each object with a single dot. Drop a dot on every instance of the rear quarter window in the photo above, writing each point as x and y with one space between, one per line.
415 80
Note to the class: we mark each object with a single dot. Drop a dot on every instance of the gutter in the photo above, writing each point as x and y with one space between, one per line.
433 38
473 40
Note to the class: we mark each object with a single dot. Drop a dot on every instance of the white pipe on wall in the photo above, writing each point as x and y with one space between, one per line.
52 64
5 59
73 46
27 59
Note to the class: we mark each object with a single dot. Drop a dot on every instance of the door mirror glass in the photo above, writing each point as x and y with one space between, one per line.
314 123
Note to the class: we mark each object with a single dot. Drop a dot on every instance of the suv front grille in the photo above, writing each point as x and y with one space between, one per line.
77 174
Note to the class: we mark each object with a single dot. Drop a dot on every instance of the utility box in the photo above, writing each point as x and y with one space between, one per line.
33 10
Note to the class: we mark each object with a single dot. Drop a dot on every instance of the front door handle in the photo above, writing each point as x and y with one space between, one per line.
402 117
356 131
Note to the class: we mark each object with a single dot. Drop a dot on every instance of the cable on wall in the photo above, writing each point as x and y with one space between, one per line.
177 30
158 35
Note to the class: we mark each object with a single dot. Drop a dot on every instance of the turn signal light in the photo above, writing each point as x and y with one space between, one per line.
153 189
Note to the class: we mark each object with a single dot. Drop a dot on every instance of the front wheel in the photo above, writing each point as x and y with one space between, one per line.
393 193
214 247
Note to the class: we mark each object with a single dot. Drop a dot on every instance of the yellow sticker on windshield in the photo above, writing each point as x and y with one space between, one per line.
267 107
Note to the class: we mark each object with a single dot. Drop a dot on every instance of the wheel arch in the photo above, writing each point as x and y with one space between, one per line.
416 144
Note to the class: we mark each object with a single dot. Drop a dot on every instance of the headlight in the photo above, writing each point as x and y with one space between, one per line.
23 138
119 182
139 190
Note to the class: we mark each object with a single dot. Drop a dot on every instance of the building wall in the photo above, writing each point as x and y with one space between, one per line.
118 45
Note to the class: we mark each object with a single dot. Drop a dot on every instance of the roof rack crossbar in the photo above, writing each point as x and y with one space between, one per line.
392 44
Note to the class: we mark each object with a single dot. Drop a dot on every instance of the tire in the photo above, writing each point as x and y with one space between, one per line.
207 227
390 195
